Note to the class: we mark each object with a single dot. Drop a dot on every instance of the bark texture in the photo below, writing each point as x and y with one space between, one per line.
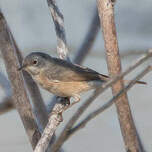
106 14
20 98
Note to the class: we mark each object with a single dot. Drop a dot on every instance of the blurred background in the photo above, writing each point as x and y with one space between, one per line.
33 29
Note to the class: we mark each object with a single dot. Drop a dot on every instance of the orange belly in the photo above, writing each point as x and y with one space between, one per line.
63 89
69 89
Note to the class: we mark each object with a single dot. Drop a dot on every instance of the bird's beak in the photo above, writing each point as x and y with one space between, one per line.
22 67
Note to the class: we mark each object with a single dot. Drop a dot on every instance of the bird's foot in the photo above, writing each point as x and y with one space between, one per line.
76 100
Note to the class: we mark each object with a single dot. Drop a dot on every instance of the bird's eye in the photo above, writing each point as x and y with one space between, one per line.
35 62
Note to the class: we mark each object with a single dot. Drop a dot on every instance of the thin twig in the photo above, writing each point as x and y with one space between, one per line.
89 39
95 113
20 98
58 20
61 139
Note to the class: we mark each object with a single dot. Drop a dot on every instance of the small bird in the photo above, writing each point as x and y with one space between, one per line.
62 78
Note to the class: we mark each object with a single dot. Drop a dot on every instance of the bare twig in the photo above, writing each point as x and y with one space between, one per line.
58 19
20 98
54 120
84 106
95 113
89 39
106 15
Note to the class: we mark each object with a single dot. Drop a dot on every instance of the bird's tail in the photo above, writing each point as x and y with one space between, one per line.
138 82
106 78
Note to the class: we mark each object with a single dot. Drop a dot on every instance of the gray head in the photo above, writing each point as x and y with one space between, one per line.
34 62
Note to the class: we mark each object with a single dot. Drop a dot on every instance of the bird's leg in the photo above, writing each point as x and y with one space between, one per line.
76 99
65 101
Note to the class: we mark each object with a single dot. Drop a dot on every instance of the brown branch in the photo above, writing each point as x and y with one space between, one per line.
62 138
106 15
20 98
95 113
88 40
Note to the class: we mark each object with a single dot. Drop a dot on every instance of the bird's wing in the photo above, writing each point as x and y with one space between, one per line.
65 71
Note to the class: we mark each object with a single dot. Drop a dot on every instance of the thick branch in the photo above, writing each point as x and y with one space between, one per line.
83 107
106 14
20 98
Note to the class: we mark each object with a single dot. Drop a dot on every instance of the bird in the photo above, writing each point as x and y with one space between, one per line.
62 78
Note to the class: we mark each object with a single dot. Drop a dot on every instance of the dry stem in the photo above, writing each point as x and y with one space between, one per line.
54 120
58 20
106 14
20 98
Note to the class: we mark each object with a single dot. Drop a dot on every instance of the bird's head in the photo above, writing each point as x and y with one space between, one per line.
34 62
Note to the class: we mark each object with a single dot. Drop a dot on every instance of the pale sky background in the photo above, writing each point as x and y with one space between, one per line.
31 24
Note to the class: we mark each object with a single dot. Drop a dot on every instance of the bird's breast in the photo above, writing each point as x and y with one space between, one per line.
61 88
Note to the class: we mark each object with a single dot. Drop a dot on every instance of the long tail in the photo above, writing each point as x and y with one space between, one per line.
138 82
105 77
